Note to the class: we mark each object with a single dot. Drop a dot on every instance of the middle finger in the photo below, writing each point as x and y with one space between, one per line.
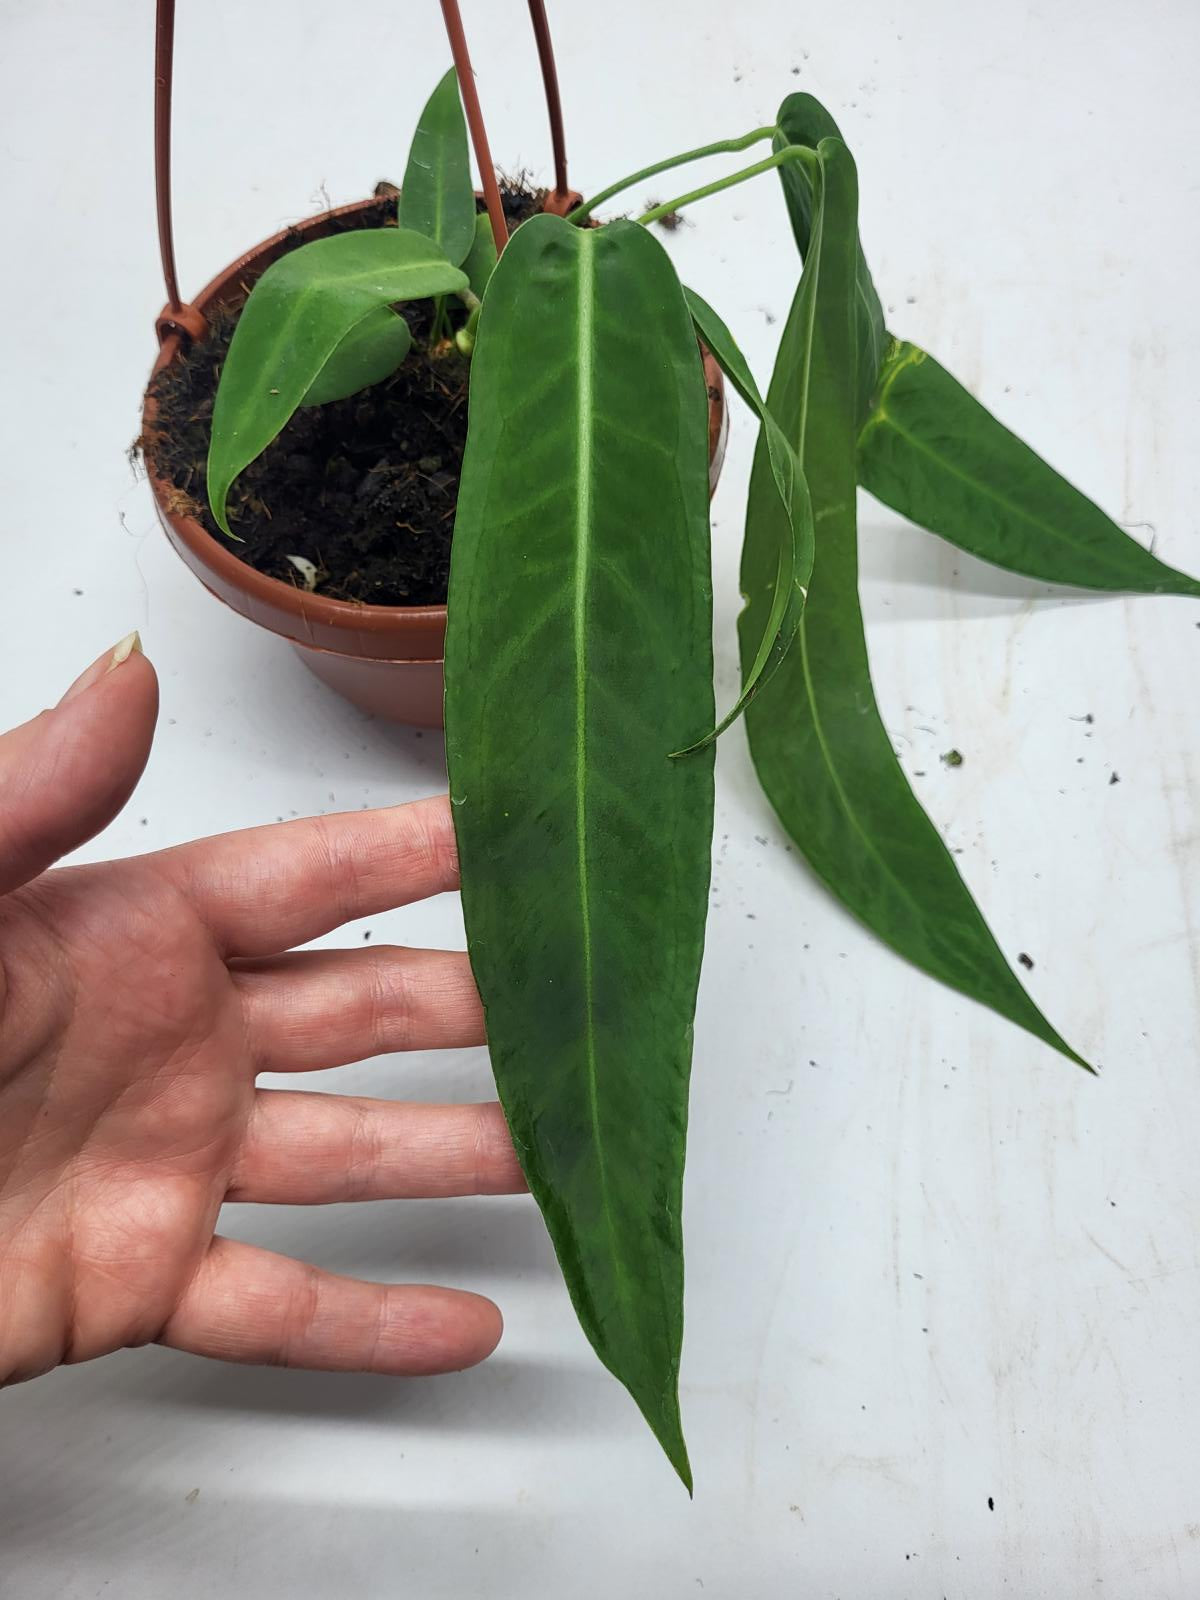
305 1149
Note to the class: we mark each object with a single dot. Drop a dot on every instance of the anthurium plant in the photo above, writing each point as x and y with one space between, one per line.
579 710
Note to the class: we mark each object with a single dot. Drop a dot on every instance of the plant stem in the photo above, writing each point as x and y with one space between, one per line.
545 49
791 152
722 147
465 337
470 97
164 49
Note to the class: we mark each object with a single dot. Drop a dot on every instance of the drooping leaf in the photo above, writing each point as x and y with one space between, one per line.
804 120
297 315
481 258
941 459
369 353
578 654
821 751
795 558
929 450
437 197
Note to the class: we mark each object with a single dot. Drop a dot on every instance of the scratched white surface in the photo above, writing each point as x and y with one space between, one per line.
931 1269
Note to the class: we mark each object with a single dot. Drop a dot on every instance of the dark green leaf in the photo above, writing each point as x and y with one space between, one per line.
578 654
932 452
297 315
804 120
819 746
370 352
481 258
795 558
437 198
929 450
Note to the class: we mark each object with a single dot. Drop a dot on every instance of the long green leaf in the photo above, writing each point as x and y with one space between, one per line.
821 751
481 258
795 561
578 654
298 313
370 352
804 120
437 197
929 450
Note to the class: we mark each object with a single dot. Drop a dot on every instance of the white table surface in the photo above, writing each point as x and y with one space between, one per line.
932 1270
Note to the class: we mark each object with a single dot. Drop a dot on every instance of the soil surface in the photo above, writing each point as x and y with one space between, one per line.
364 488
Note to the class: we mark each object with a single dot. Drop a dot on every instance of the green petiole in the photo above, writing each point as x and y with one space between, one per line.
466 335
721 147
791 152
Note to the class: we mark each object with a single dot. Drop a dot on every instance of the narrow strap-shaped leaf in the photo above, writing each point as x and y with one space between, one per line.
578 654
437 198
795 561
481 258
804 120
370 352
821 751
929 450
298 313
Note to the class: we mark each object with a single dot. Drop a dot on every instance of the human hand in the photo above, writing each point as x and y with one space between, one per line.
138 1001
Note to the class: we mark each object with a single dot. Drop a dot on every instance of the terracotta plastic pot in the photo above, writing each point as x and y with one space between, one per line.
385 659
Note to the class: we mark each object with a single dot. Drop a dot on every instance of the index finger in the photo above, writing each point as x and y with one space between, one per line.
263 890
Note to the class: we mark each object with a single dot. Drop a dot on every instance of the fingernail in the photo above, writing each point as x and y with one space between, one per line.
123 651
110 660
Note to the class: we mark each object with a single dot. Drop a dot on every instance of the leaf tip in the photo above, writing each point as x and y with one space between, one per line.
1056 1041
676 1453
217 496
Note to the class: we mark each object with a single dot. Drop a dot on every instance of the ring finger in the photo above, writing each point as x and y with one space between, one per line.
324 1008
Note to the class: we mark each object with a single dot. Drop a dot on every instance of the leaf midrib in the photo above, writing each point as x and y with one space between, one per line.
439 199
585 407
885 419
280 342
843 799
302 300
835 778
840 794
315 288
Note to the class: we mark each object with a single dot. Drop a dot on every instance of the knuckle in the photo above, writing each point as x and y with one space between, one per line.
302 1307
428 840
364 1151
496 1168
390 999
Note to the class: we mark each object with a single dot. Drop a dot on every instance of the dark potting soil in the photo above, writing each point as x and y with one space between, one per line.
365 488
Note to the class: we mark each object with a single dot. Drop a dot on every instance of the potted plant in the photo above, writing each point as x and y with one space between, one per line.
579 714
343 528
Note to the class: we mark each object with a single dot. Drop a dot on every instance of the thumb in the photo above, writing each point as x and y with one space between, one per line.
66 774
